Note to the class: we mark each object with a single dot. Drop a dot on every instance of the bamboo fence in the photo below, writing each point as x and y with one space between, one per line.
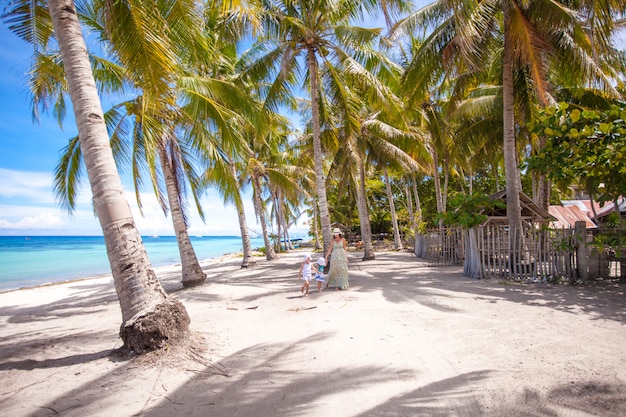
531 254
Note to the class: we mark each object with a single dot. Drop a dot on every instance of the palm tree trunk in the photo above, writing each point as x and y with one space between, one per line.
283 220
279 247
543 192
438 193
409 207
418 203
496 171
446 182
248 259
320 182
364 216
513 207
543 184
471 264
258 206
150 317
191 270
283 226
397 242
318 246
420 246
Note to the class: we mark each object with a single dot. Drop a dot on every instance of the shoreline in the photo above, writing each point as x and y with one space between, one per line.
51 259
206 261
157 270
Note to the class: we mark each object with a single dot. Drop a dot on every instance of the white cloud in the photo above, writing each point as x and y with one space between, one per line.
27 207
44 220
34 186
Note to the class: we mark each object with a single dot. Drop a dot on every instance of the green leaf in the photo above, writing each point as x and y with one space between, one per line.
605 128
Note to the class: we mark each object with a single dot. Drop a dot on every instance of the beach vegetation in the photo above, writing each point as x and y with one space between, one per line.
523 46
583 146
272 166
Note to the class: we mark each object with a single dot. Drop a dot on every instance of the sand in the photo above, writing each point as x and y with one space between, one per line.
405 340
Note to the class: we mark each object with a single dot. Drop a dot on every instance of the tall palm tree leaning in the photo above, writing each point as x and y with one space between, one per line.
149 316
248 259
319 32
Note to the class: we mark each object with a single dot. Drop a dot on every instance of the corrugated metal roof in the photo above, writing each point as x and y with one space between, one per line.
609 207
568 216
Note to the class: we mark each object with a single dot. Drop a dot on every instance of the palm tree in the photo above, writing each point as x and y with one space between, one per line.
151 57
377 142
149 316
318 33
271 165
259 208
177 114
248 259
157 147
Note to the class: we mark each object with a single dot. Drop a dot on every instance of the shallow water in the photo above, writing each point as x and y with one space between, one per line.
27 261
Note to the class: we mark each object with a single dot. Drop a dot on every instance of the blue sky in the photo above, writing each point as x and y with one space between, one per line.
29 152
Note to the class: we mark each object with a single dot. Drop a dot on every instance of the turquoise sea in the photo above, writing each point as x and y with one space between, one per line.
28 261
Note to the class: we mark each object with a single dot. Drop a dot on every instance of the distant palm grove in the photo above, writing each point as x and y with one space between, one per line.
373 115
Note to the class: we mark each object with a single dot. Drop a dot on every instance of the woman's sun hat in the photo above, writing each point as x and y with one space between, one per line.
321 261
336 231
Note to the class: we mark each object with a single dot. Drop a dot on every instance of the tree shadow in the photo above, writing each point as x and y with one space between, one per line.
591 398
408 279
268 379
404 278
82 302
63 361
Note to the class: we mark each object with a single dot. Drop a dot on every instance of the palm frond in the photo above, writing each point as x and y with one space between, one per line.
67 175
48 86
29 21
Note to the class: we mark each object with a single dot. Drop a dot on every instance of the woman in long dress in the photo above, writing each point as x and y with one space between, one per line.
338 273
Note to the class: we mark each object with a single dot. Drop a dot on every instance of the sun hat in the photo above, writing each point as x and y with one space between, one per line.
336 231
321 262
307 256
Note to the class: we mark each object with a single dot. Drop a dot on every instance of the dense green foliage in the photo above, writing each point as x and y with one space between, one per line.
470 210
586 147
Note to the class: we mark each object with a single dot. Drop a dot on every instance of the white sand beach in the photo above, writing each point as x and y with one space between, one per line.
405 340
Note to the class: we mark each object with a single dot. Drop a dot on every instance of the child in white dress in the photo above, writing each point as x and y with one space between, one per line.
305 274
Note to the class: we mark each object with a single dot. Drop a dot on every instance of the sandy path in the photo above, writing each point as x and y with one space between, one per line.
405 340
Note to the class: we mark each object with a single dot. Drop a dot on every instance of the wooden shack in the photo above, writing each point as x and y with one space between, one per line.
532 214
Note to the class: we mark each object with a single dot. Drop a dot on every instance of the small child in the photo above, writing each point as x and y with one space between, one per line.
305 274
319 273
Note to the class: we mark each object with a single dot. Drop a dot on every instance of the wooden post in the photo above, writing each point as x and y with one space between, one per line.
582 257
